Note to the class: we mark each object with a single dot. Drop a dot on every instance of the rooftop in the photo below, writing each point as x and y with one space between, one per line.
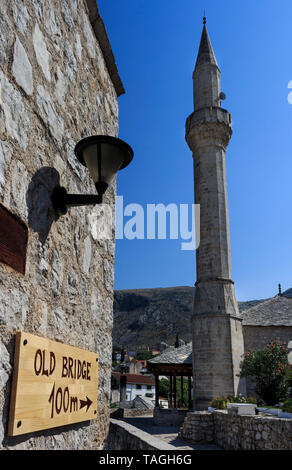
135 378
276 311
102 37
172 355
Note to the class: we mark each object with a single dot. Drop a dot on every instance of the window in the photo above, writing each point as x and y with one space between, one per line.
138 387
149 395
149 387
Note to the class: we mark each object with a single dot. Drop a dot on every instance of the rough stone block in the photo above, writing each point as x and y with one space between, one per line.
42 54
49 113
21 68
242 408
20 16
14 114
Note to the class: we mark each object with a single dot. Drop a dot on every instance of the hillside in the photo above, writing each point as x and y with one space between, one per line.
145 317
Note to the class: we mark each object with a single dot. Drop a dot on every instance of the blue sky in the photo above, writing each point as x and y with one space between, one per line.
155 43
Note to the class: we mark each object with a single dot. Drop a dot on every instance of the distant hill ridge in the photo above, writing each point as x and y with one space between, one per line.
145 317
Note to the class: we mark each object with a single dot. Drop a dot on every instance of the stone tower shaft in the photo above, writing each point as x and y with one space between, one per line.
217 331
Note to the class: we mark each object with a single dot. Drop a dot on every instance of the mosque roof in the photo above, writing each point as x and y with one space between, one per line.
276 311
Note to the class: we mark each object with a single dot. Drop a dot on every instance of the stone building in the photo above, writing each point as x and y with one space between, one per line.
136 385
268 321
138 366
58 83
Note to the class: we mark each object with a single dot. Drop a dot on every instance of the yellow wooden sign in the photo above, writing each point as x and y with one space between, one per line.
53 384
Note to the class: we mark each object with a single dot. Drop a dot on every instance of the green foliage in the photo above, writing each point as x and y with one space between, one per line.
164 390
164 387
220 403
289 380
183 400
241 399
144 355
251 400
269 368
287 406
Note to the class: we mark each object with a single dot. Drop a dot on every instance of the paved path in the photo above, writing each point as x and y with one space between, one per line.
166 433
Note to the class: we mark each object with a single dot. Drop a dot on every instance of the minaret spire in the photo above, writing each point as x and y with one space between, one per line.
216 323
206 52
206 75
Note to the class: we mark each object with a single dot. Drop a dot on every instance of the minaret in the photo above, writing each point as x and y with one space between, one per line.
216 323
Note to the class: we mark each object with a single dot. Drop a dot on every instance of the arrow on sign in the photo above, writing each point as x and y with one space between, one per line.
87 403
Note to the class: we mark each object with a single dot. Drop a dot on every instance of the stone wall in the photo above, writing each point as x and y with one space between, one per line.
124 436
234 432
198 427
168 416
55 89
130 413
133 412
257 337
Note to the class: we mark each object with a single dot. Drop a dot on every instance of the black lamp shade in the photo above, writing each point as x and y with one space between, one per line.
104 156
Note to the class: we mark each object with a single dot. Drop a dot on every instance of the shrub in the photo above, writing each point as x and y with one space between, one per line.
287 406
220 403
269 368
289 380
252 400
236 399
241 399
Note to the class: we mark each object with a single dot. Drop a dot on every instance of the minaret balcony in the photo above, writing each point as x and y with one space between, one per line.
209 126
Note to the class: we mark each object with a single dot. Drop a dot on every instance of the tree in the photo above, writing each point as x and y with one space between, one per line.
164 387
164 390
269 368
144 355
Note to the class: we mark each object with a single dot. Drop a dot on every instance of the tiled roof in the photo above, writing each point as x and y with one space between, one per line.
276 311
172 355
144 403
135 378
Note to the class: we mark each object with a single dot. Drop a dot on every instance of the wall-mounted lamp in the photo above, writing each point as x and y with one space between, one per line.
104 156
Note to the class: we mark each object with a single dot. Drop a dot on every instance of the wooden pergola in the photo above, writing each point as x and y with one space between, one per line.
173 363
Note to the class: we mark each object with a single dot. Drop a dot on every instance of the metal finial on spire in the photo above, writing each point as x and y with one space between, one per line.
204 17
280 289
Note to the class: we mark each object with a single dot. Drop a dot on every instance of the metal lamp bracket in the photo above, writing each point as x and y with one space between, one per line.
62 200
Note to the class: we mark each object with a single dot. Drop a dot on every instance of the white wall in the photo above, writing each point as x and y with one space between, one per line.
132 391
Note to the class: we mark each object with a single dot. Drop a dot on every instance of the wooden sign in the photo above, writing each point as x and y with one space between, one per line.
53 385
13 240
